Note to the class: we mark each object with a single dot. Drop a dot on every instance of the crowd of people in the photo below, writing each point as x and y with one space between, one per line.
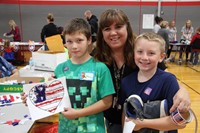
169 32
121 64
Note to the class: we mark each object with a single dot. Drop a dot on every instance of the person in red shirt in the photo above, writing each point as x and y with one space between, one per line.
195 44
14 33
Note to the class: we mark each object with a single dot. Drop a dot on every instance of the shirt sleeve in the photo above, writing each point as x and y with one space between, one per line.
8 66
105 84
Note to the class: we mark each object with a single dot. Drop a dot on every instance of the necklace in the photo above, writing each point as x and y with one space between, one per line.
118 74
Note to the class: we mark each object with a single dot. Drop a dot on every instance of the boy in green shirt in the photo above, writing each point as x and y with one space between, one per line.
89 83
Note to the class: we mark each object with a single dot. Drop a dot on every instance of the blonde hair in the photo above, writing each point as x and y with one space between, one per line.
150 36
171 24
164 24
12 24
50 17
188 22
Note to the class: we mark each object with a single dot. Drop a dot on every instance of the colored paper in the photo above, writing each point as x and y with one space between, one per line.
47 98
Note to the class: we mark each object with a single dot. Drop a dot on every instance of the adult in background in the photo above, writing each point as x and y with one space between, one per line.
49 29
156 27
14 32
93 21
187 32
172 36
114 47
164 33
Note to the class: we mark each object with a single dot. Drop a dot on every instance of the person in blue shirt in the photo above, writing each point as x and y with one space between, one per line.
150 82
7 69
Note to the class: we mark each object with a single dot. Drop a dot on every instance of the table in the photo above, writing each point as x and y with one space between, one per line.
48 121
180 47
15 111
20 48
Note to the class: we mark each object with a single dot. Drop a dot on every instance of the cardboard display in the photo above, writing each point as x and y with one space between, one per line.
54 43
48 60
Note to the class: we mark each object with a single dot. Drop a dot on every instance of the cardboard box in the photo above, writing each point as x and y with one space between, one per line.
18 87
48 60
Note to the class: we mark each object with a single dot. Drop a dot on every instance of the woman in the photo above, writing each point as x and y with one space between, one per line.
14 33
164 33
115 42
173 31
50 29
172 36
186 31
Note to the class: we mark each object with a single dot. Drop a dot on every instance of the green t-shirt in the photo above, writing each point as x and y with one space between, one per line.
87 83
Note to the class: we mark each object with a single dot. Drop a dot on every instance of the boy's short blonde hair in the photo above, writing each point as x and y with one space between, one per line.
150 36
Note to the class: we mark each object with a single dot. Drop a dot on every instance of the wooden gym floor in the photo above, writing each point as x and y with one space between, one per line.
189 77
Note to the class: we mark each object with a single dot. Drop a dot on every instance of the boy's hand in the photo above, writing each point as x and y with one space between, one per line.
70 113
138 124
23 98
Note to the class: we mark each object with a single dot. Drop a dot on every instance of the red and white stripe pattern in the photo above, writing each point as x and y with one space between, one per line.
54 94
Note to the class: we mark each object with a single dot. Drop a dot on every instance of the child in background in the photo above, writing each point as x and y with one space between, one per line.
8 52
150 82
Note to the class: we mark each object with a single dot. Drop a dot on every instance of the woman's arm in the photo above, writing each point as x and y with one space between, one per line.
95 108
181 100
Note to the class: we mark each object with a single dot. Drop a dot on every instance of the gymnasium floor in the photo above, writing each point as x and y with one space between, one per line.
189 77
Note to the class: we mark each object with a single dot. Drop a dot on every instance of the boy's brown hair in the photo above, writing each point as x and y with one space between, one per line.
78 25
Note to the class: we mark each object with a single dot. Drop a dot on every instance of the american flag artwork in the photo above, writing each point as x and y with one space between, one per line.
10 98
47 97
